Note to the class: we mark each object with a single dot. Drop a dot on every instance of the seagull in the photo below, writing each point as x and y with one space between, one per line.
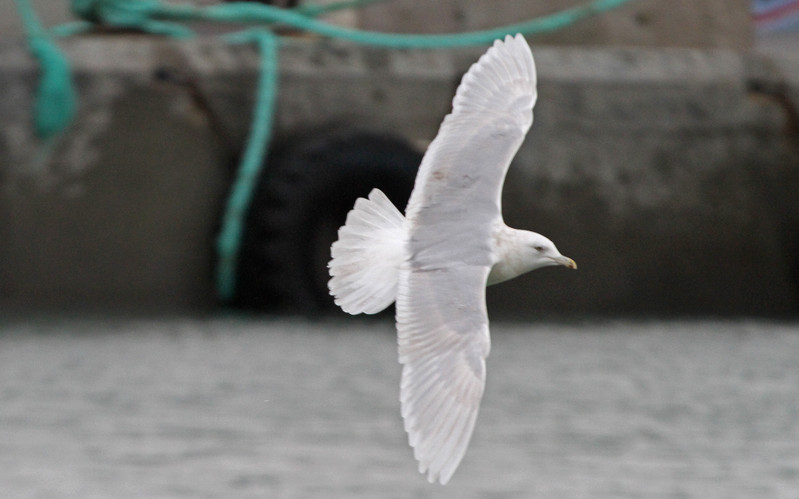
436 261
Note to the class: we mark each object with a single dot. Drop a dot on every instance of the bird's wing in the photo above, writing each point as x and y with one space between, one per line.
443 342
442 322
459 184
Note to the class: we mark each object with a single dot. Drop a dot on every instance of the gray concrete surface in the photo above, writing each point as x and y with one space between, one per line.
682 23
642 23
668 175
185 408
119 211
50 13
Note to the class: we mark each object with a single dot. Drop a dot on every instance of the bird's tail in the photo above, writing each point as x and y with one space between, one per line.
365 262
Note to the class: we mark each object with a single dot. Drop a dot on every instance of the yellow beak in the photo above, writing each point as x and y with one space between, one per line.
566 262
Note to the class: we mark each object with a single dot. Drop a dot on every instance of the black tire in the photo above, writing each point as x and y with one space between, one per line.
302 198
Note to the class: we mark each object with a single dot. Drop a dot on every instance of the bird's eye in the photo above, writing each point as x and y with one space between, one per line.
539 248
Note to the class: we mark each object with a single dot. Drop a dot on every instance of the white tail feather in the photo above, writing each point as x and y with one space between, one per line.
365 262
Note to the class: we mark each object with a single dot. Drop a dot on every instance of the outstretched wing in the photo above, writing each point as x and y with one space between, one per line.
443 342
459 185
455 206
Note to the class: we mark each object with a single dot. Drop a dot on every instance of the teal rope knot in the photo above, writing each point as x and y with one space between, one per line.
87 9
130 14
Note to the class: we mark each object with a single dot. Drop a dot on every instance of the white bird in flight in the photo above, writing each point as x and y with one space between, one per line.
437 260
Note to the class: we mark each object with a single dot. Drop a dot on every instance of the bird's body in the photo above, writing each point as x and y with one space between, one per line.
436 261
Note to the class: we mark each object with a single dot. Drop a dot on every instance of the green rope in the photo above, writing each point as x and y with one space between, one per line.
55 103
146 13
71 29
229 241
240 12
140 15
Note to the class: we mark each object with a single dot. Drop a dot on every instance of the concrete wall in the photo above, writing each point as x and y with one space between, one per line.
120 211
680 23
50 13
668 175
673 23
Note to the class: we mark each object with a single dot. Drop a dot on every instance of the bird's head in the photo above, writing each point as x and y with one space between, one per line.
543 253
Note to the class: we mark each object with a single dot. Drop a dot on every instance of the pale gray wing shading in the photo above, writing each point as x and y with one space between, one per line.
456 198
443 343
442 322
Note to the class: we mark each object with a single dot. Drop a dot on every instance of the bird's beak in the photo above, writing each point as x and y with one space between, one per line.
565 261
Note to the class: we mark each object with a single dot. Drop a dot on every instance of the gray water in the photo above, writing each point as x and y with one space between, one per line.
189 408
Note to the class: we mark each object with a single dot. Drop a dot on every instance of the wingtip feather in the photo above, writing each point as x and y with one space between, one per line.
508 65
